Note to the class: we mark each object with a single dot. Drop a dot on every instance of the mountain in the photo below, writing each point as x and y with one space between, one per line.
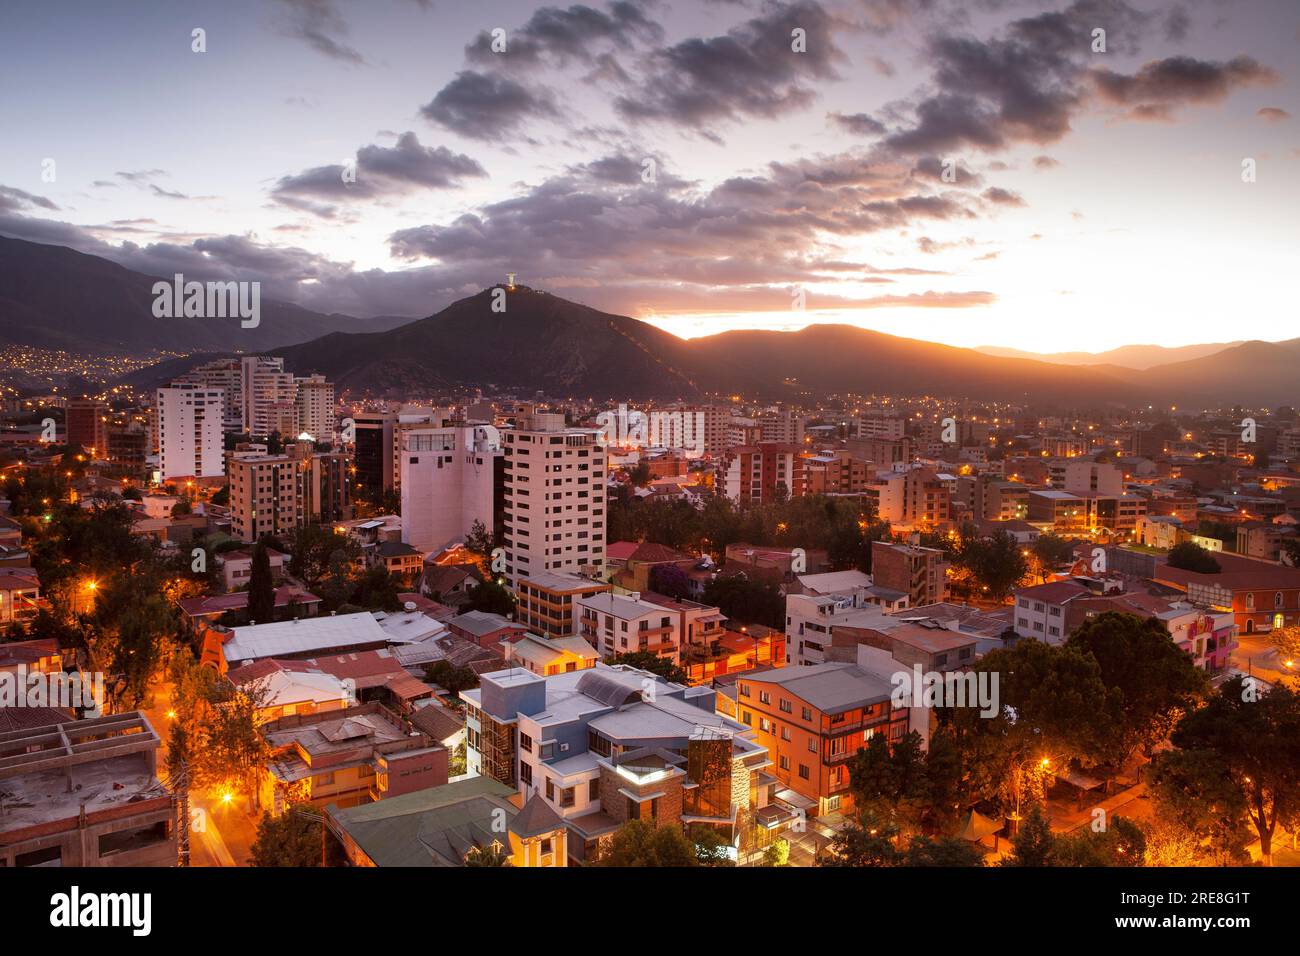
1139 357
544 343
55 297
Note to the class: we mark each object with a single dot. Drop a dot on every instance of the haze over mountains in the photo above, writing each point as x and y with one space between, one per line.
53 297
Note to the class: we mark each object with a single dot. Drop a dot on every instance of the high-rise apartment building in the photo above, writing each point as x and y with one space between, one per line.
555 498
87 425
448 481
315 407
264 495
783 427
189 423
266 387
764 472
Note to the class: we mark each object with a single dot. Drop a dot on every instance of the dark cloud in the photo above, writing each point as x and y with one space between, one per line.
1177 23
859 124
751 71
558 35
931 169
380 171
1160 87
13 199
487 106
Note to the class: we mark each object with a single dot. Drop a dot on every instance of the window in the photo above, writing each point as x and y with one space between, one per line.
550 789
593 790
812 745
803 771
526 773
764 697
525 743
786 706
783 762
807 714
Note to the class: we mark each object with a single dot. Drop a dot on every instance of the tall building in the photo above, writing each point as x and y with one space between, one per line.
264 495
265 387
87 425
447 483
783 427
764 472
189 421
880 425
373 456
227 375
555 498
315 407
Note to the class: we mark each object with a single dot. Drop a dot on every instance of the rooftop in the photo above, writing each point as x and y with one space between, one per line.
831 688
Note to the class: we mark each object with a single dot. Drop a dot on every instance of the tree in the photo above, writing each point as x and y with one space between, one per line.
1190 556
182 508
747 601
777 853
493 854
711 849
889 782
638 843
234 749
867 842
649 661
447 675
997 563
261 588
670 580
1287 642
293 839
376 590
491 598
1033 844
1240 752
639 474
1120 843
941 851
1049 552
1157 682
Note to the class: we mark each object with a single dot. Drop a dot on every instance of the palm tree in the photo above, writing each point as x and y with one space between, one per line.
492 855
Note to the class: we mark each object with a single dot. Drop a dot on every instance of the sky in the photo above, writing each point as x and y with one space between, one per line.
972 172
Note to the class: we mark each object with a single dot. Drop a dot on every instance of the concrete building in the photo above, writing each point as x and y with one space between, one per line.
449 478
764 472
87 425
268 394
85 793
920 573
555 498
314 407
782 427
189 421
625 624
610 744
548 602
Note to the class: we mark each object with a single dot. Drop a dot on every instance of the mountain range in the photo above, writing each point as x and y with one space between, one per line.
55 297
1139 357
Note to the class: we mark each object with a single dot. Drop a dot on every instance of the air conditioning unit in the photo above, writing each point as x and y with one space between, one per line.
564 748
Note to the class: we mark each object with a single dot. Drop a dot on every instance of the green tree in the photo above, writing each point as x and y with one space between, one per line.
777 853
1190 556
261 587
941 851
293 839
997 563
1121 843
1033 844
638 843
491 598
890 782
649 661
866 842
447 675
493 854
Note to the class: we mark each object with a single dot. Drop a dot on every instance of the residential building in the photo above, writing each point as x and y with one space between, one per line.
610 744
625 624
549 655
547 602
190 440
810 620
784 427
920 573
812 720
1064 512
373 455
20 594
764 472
449 480
1041 610
314 407
555 498
1260 595
87 425
268 394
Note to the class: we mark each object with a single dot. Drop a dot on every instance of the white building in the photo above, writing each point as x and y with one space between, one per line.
810 620
446 483
785 427
190 431
625 624
265 385
555 498
315 405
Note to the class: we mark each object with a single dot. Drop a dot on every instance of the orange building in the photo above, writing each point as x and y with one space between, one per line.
812 720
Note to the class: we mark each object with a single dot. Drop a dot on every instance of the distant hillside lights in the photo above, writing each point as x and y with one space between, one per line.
212 300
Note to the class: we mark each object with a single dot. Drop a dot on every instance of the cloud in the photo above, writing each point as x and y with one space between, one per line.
379 172
1003 197
859 124
1272 114
13 199
751 71
1160 87
1046 162
487 107
319 24
556 35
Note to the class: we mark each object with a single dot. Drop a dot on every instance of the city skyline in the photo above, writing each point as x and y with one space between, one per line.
1086 186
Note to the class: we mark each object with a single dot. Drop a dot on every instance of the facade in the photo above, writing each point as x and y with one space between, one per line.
314 407
782 427
448 481
268 395
264 495
373 455
1066 513
87 425
812 720
189 421
606 745
548 602
764 472
920 573
555 499
625 624
1041 610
